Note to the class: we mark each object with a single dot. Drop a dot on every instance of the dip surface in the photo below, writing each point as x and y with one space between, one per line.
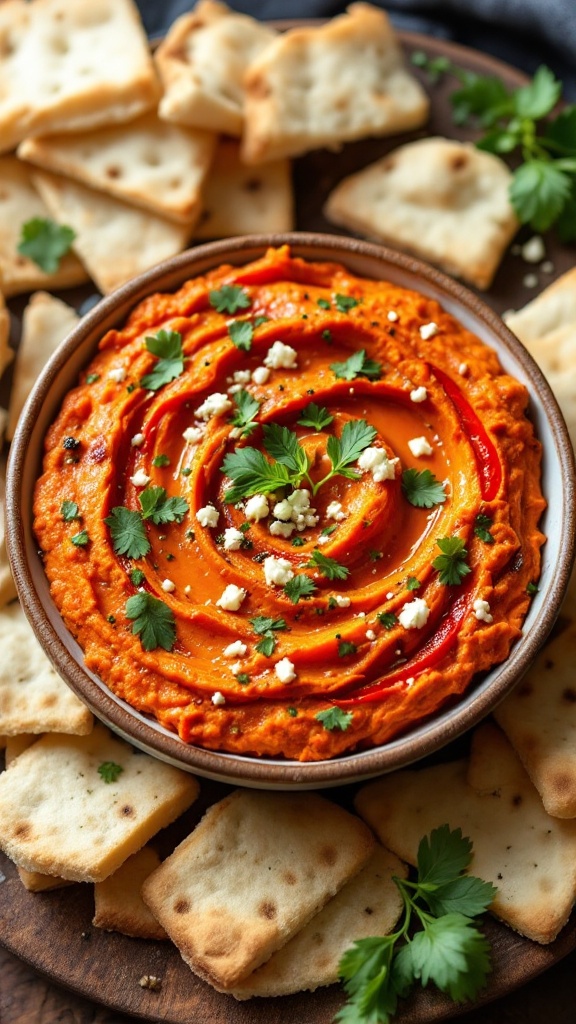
291 512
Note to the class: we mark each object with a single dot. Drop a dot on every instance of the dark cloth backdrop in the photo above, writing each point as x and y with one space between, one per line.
525 33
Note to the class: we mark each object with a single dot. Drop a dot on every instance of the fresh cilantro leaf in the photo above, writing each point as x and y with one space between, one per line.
329 567
243 678
435 66
298 542
259 320
443 855
387 619
464 895
251 473
109 771
157 506
69 511
366 971
532 589
328 530
167 347
357 435
282 444
160 460
80 540
344 303
128 532
560 134
346 647
92 378
323 303
137 577
451 564
293 712
422 489
229 299
267 645
413 583
538 98
246 409
357 365
539 192
299 587
334 718
482 525
241 333
566 226
452 953
153 621
484 98
45 243
262 624
315 416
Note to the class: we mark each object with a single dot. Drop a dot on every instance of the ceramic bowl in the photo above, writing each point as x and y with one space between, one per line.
371 261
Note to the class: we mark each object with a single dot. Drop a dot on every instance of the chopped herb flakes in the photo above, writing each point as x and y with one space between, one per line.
69 511
346 647
153 621
241 333
451 564
299 587
334 718
422 489
357 365
81 540
109 771
45 243
167 347
482 525
229 299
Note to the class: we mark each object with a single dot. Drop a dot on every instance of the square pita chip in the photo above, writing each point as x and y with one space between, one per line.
241 200
79 806
529 856
153 164
202 63
442 200
20 203
547 327
115 241
254 871
118 905
329 84
71 66
33 697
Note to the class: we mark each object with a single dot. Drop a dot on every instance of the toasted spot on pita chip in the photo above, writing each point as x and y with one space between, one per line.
117 901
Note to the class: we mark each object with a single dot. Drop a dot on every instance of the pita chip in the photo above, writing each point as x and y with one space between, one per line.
33 697
71 66
115 241
19 203
117 901
45 323
368 905
16 745
241 200
202 63
150 163
6 353
254 871
79 806
444 201
529 856
329 84
547 327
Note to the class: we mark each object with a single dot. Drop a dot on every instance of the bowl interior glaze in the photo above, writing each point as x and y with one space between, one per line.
367 260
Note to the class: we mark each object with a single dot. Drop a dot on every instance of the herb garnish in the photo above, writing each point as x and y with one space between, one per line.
329 567
157 506
299 586
246 409
153 621
69 511
422 489
413 583
128 532
167 346
265 627
334 718
80 540
229 299
346 647
357 365
137 577
532 589
482 525
109 771
160 460
387 619
45 243
315 416
451 564
241 333
448 949
344 303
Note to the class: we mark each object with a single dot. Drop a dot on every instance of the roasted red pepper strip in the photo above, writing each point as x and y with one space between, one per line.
433 651
485 453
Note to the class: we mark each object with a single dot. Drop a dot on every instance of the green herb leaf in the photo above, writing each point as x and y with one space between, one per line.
251 473
80 540
482 525
229 299
157 506
167 347
241 333
344 303
69 511
282 444
109 771
137 577
246 409
267 645
299 587
334 718
422 489
323 303
465 895
387 619
539 192
346 647
45 243
443 855
160 460
153 621
329 567
128 532
451 564
532 589
357 365
413 583
453 954
538 98
357 435
262 624
315 416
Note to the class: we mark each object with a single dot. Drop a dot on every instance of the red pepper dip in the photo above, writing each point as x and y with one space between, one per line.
291 512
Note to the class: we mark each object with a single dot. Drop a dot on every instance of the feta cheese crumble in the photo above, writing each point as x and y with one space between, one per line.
117 374
232 538
281 357
533 251
277 571
140 478
414 614
213 405
193 434
231 598
341 601
256 507
418 394
168 586
218 698
392 316
334 511
482 610
428 331
278 529
370 634
285 670
208 516
260 374
235 649
376 461
137 440
420 446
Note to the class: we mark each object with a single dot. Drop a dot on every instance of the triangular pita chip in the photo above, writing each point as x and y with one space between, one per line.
118 905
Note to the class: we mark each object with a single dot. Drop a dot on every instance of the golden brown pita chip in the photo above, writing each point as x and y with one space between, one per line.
118 904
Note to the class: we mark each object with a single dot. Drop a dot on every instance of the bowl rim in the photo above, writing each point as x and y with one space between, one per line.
426 737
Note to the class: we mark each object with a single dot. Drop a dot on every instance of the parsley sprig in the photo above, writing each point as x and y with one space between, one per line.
543 186
422 489
266 627
229 299
153 621
299 587
127 528
246 409
167 346
357 365
447 949
451 564
45 242
316 416
334 718
329 567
